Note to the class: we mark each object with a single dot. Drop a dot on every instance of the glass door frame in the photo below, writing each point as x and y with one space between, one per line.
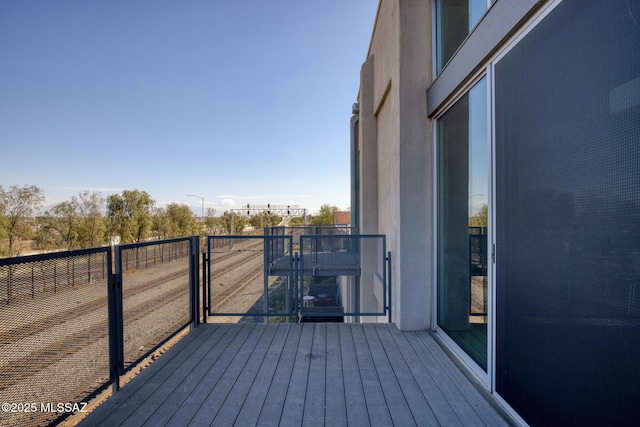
486 378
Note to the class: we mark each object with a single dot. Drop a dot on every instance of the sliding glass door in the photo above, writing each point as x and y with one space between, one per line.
567 224
463 201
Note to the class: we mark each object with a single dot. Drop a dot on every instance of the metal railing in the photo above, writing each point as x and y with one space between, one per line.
54 332
155 283
322 277
297 230
249 276
71 323
344 275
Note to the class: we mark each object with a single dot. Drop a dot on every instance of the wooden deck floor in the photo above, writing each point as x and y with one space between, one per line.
316 374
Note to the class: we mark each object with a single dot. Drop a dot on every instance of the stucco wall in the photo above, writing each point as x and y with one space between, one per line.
415 169
393 85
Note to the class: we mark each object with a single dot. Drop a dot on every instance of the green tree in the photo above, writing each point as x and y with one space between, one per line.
46 239
325 217
176 220
73 224
17 205
129 215
239 223
298 220
63 221
481 218
2 208
264 219
160 224
182 221
2 220
92 226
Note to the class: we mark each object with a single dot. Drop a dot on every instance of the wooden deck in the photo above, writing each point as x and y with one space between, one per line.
316 374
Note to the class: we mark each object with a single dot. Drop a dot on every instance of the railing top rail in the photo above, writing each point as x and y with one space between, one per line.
154 242
310 226
253 236
52 255
342 236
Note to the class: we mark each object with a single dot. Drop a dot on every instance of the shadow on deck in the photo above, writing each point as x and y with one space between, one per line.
295 374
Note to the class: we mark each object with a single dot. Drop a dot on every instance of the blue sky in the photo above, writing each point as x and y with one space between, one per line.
237 101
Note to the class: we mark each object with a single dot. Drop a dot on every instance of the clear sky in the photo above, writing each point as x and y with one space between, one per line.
236 101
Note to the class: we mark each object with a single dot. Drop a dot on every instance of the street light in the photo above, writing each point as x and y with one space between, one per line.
202 212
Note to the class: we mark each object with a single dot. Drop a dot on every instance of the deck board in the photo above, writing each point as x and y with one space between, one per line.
429 386
207 373
293 408
353 388
393 394
474 407
407 380
277 392
207 398
238 394
252 405
314 405
336 410
374 395
311 374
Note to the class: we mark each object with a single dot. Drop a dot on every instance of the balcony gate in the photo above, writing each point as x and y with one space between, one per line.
321 277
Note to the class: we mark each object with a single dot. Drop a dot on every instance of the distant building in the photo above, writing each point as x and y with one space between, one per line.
497 145
342 218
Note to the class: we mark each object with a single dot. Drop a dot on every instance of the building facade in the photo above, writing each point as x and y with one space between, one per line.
497 145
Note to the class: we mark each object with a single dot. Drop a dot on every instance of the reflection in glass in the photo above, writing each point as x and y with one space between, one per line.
463 189
454 20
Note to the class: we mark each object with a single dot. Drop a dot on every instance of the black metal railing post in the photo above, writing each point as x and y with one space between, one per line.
296 286
116 322
389 285
194 274
205 275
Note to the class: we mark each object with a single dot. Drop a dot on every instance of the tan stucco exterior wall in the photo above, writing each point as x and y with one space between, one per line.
396 153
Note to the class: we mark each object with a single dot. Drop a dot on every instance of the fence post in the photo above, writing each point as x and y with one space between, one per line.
265 277
297 285
389 282
205 262
9 283
194 274
116 326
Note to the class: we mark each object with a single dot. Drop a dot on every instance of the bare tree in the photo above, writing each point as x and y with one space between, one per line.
212 224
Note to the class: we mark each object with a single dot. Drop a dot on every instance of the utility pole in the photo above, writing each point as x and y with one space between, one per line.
202 211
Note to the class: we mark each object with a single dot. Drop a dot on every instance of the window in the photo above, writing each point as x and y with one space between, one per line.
463 198
454 21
